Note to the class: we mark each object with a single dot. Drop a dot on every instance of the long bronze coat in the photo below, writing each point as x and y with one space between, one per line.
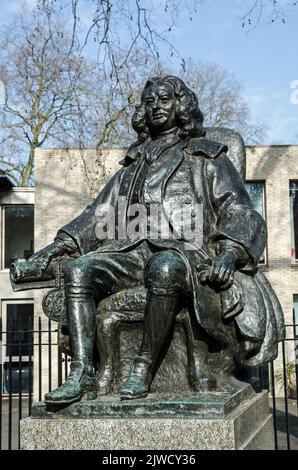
198 171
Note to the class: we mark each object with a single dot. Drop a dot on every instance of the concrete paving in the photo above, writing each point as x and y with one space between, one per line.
15 416
282 423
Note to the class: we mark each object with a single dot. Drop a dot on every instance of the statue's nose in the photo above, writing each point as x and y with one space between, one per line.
156 105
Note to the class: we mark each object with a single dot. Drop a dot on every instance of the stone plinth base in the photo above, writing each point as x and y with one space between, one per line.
249 426
155 405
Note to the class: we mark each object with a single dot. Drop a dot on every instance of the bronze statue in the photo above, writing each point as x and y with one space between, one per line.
174 163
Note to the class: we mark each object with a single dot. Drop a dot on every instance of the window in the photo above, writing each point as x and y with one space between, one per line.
18 233
17 378
19 325
17 345
294 220
256 191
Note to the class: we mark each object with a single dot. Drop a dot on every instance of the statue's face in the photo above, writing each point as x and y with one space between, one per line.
160 104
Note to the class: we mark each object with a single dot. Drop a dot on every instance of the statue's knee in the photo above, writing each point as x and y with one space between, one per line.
166 271
75 272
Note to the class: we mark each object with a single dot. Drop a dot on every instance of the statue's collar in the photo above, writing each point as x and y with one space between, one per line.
134 152
193 146
170 133
205 147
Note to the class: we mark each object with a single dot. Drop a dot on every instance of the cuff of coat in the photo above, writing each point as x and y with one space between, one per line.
66 242
239 251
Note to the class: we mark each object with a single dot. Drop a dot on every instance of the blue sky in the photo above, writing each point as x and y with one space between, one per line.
264 60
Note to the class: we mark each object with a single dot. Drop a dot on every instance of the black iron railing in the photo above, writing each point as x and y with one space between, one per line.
283 387
27 372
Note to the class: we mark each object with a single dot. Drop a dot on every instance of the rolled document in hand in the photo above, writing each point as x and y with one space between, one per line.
26 271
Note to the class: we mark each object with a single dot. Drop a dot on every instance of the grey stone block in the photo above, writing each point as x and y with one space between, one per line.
247 427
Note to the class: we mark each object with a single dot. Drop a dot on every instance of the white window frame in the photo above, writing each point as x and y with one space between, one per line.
3 207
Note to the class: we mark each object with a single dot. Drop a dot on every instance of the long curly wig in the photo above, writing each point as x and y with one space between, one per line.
189 117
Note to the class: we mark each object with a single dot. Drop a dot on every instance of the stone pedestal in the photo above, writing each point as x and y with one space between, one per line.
249 426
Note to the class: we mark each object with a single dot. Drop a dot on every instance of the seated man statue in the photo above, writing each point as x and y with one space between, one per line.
207 257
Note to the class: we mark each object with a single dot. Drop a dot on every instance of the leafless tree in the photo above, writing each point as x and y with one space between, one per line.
149 22
219 92
272 10
252 12
56 97
222 100
41 80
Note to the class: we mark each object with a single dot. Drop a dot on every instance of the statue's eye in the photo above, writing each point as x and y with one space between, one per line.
164 98
149 100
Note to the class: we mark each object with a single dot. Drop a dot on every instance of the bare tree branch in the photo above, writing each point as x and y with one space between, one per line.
56 96
272 10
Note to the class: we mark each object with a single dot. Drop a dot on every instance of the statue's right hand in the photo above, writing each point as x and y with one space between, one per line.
45 256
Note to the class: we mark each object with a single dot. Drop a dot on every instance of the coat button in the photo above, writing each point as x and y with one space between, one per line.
187 200
185 190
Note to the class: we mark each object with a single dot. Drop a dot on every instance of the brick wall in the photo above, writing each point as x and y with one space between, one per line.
277 165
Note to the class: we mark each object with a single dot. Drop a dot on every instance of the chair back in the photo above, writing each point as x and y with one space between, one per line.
235 143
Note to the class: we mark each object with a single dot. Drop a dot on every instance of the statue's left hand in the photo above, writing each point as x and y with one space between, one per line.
223 269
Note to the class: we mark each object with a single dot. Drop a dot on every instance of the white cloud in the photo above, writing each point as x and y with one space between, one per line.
17 5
